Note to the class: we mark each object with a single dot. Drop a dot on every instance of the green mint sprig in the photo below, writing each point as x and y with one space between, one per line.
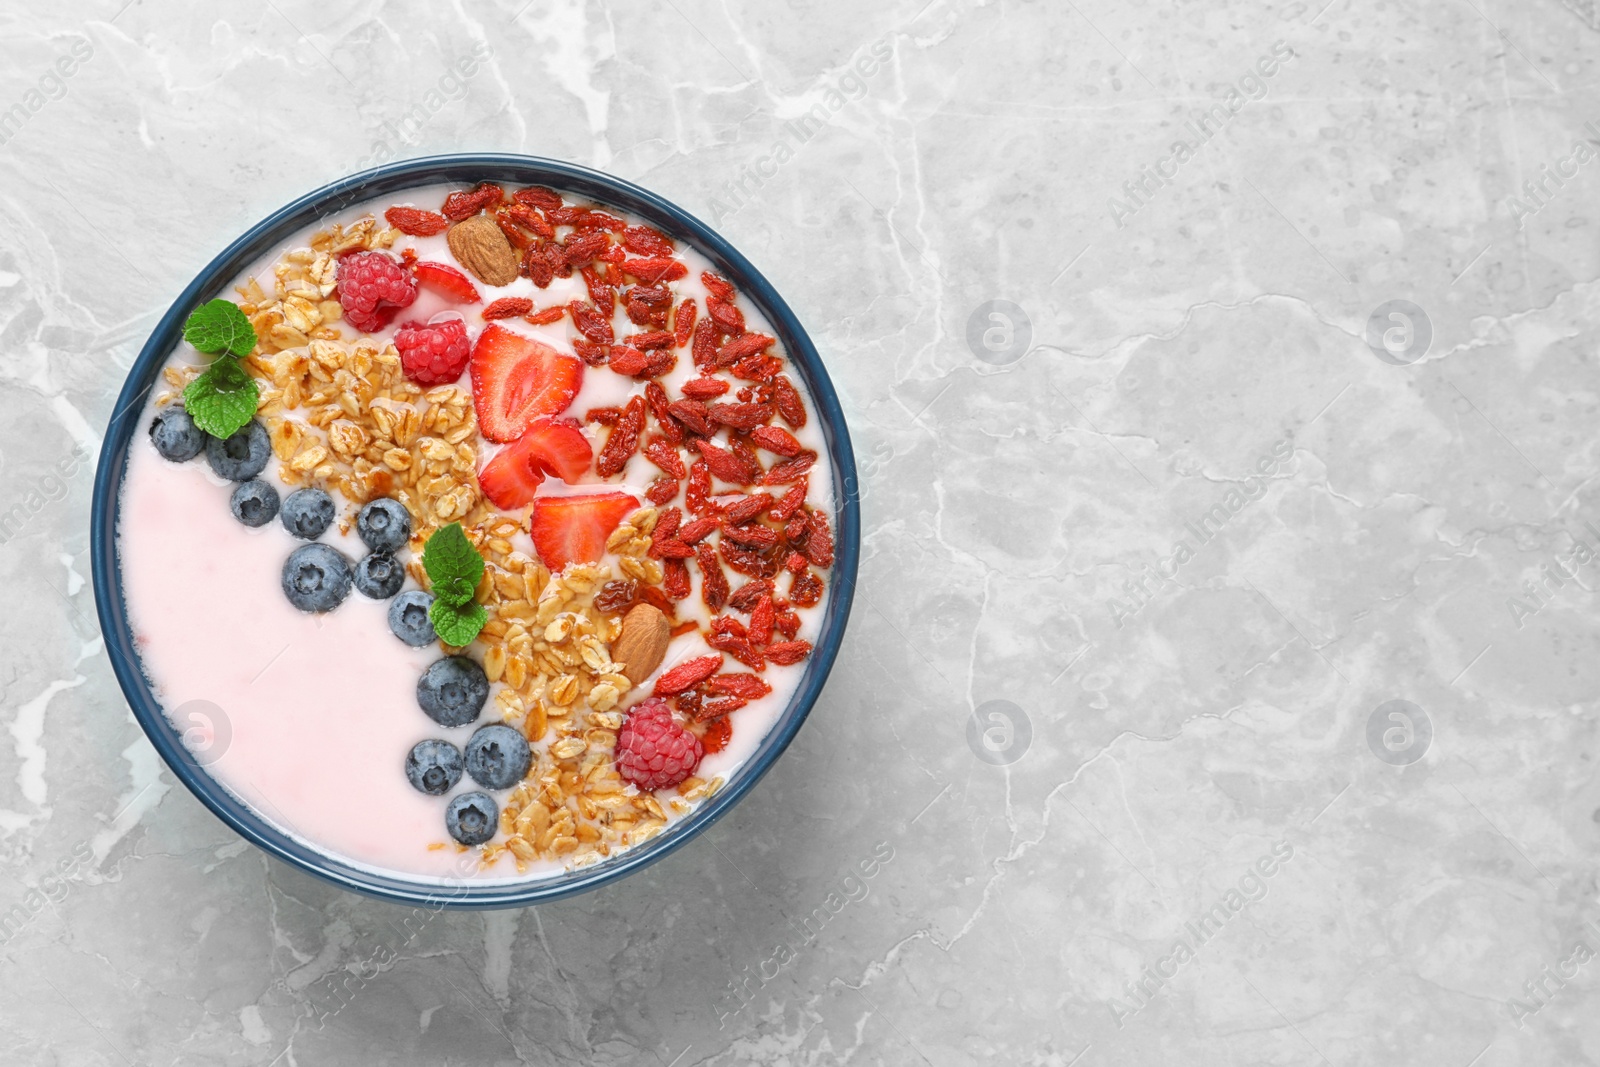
223 399
454 569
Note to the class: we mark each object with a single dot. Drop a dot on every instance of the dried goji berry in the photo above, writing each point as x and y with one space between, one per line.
693 415
580 249
775 439
593 325
751 561
785 508
604 416
805 590
622 441
717 735
704 388
743 685
416 222
592 354
740 347
762 617
649 341
525 215
748 508
718 286
514 233
796 563
726 626
752 535
539 265
649 594
704 349
787 623
696 531
717 709
662 490
683 322
687 675
739 416
671 548
601 295
697 494
723 463
748 595
729 319
547 316
667 524
790 469
796 530
647 241
713 583
788 400
599 220
463 204
666 457
508 307
819 546
629 361
787 652
640 314
757 368
675 579
538 196
655 269
568 215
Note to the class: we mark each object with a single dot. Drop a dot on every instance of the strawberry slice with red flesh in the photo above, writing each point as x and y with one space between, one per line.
573 529
447 282
554 447
517 380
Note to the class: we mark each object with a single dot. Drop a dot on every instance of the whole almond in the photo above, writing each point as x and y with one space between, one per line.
642 644
479 246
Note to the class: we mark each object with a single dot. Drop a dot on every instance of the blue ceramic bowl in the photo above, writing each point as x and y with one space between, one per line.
272 232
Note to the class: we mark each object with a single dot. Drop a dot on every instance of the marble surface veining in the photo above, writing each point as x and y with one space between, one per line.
1221 687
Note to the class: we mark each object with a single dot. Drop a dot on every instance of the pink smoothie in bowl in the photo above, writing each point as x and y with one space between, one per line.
507 418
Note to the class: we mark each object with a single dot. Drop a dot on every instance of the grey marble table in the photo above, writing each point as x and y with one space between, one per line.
1221 687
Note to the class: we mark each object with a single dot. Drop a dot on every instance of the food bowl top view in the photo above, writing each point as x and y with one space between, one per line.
475 530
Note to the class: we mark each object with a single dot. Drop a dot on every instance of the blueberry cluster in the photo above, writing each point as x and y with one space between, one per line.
316 577
452 692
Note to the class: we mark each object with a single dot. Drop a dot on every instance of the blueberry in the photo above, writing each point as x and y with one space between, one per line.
380 577
307 513
254 503
498 757
452 690
384 524
472 818
434 767
408 618
175 435
316 577
242 456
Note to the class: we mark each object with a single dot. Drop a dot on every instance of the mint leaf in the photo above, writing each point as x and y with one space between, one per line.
219 326
454 567
223 399
457 624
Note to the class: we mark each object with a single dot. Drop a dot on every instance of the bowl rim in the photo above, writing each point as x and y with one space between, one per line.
270 232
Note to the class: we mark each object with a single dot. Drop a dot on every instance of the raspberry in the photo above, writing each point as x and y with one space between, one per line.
372 287
653 751
436 354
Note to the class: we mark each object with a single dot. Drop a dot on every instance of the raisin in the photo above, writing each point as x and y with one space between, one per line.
622 441
616 596
790 469
507 307
788 400
704 388
775 439
713 583
416 222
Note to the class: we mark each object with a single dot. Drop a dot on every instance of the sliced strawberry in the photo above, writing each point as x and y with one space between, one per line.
573 529
509 480
549 447
447 282
516 380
